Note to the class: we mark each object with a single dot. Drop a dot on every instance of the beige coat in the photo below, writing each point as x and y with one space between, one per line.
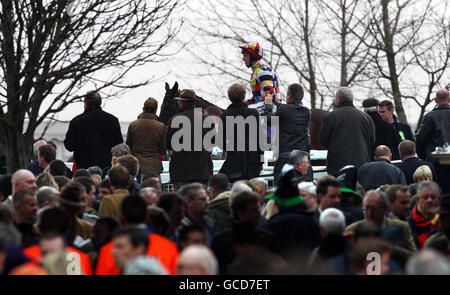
84 229
147 140
112 205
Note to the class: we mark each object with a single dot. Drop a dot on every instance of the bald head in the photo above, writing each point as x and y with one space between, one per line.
23 180
382 152
442 96
197 259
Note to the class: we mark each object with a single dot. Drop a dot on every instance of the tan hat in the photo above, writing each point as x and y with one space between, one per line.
187 95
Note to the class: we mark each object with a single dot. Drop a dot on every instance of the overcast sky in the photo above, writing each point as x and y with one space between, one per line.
128 106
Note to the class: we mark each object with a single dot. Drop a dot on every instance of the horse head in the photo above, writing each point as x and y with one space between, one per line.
169 106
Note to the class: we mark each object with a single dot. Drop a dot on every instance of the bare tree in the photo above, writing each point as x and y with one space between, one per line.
349 52
431 51
296 39
393 26
378 47
51 48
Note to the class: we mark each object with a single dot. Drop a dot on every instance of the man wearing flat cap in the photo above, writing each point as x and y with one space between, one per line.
385 133
189 161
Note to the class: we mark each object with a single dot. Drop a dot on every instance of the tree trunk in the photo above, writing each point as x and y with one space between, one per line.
17 150
390 55
396 94
422 113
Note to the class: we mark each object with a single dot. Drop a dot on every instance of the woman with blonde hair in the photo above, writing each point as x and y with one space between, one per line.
45 179
423 173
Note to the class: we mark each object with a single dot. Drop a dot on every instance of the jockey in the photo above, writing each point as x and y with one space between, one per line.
263 80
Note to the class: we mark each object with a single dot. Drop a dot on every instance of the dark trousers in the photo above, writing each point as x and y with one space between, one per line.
443 177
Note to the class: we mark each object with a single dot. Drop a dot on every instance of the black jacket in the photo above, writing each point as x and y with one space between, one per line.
296 230
351 213
385 134
35 168
403 130
348 134
379 172
91 136
433 132
222 245
241 164
294 120
409 166
193 163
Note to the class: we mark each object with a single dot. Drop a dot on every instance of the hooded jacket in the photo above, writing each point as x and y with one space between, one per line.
219 211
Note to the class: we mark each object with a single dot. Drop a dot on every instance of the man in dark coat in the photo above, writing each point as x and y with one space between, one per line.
385 133
189 161
294 120
347 133
386 111
300 161
435 132
379 172
243 232
92 134
407 151
294 226
244 162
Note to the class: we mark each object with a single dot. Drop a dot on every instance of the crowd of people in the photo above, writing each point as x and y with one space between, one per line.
110 216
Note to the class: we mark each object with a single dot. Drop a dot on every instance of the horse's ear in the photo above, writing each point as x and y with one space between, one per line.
167 87
175 86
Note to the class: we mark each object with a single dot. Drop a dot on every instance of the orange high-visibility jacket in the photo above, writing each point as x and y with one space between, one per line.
165 250
34 252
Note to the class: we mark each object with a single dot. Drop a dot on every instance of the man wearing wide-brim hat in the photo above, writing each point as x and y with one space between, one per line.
188 162
187 95
70 201
440 239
